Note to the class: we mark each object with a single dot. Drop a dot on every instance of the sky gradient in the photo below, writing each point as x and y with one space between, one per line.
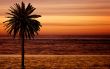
67 17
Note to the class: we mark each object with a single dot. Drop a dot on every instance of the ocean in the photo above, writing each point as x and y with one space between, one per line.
57 46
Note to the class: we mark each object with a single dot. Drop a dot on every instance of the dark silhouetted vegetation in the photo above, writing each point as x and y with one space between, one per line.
22 23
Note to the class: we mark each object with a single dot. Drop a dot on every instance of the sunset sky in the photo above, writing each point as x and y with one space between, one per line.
66 17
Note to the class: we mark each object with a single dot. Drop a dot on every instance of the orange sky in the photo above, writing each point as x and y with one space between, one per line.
67 17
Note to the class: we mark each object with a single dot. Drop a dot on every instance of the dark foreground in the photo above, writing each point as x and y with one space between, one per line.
56 62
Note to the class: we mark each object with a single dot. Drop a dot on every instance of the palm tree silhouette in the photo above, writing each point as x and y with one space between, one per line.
22 23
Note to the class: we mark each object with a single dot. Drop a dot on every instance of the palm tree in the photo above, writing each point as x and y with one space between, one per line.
23 24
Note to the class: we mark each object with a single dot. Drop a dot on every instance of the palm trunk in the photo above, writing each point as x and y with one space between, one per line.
22 52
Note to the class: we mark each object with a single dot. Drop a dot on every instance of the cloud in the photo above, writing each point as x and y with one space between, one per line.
75 9
64 7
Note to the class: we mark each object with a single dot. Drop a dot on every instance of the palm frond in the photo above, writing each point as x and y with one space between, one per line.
22 21
34 16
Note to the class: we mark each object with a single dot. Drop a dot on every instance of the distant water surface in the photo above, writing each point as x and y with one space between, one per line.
57 46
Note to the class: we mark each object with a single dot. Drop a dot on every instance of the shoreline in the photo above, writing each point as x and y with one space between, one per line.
51 55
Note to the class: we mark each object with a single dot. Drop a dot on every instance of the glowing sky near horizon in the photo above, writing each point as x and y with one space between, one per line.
67 17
